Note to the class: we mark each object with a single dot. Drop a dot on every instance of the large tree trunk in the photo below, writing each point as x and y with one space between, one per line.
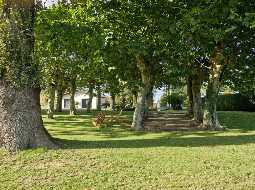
91 90
210 119
51 101
72 99
59 99
21 124
113 102
197 80
141 110
99 98
190 96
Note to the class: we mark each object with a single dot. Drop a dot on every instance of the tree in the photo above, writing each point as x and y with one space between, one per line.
134 31
21 123
70 53
211 27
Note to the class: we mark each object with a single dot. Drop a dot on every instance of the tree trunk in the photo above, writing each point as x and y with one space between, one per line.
168 93
190 96
91 89
141 110
149 99
72 99
59 99
135 99
197 101
99 98
51 101
210 119
113 102
21 124
197 80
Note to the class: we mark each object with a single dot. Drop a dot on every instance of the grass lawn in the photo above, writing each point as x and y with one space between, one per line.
117 158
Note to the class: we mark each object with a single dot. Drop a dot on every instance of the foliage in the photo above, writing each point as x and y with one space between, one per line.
2 47
176 100
67 43
235 102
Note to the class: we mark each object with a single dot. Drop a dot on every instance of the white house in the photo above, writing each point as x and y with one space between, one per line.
81 100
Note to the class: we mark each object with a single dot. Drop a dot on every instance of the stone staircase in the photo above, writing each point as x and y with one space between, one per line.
176 121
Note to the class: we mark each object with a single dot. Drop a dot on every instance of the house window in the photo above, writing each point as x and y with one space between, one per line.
84 103
66 103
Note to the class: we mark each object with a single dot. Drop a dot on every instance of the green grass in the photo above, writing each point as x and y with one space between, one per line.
118 158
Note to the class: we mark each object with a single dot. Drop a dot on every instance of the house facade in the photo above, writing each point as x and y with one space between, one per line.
81 101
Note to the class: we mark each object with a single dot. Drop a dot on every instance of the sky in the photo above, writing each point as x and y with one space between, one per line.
48 2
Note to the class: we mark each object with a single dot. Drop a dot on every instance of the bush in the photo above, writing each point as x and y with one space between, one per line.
235 102
174 99
163 101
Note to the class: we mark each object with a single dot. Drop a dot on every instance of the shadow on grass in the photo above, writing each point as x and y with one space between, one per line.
107 133
239 123
161 142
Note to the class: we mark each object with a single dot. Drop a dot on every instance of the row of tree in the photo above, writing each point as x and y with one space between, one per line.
115 45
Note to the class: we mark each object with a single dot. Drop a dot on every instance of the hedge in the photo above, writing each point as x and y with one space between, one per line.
235 102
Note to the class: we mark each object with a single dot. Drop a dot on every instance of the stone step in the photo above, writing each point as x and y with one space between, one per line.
166 116
167 125
171 128
179 129
170 125
169 122
168 119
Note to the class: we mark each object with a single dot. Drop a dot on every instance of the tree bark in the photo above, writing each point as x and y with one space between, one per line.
168 93
51 101
113 102
135 99
197 80
142 109
190 96
59 99
210 118
149 99
99 98
91 90
21 124
72 99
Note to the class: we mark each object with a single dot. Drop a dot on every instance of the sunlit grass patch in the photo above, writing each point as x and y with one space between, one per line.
119 158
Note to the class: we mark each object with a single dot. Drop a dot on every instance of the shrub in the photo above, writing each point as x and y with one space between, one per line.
163 101
176 100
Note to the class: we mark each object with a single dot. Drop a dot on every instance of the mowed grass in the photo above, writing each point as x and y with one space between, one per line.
118 158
